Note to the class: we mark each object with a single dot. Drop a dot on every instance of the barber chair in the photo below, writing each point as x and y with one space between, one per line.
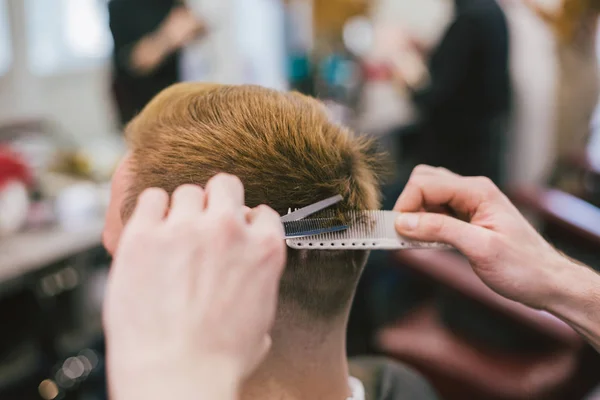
569 223
586 170
464 365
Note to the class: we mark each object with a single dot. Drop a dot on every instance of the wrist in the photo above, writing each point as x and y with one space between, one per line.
570 284
213 378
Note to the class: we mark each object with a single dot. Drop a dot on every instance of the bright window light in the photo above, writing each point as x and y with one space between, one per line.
66 35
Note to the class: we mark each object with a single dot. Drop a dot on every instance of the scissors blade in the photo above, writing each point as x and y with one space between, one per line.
313 208
312 227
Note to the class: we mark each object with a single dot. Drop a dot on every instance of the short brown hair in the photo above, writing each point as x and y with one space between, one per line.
286 151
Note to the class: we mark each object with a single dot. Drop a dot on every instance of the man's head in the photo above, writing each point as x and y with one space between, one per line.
285 150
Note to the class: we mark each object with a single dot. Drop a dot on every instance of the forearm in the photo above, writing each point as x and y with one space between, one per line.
576 300
149 52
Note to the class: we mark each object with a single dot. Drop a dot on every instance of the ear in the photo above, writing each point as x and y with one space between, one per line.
113 226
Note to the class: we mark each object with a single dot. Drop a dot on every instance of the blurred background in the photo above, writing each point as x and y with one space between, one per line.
502 88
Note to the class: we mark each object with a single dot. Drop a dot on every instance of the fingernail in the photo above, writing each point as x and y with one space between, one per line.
407 222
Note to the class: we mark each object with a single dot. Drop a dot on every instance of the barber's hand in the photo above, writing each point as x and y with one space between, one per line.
179 28
505 251
192 294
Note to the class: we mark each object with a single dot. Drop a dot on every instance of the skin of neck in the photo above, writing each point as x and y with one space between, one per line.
307 359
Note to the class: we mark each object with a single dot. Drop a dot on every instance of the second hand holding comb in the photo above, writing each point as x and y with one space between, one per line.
368 230
372 230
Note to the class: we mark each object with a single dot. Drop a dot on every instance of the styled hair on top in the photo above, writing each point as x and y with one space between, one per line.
287 152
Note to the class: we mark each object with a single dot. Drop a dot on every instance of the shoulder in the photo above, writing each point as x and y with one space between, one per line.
385 379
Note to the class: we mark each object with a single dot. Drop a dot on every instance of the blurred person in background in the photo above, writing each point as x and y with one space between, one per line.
533 73
462 95
149 36
575 25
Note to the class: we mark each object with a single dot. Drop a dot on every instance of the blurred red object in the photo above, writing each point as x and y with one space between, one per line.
377 72
16 178
13 168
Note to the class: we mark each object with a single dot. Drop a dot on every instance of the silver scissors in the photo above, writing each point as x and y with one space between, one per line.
296 225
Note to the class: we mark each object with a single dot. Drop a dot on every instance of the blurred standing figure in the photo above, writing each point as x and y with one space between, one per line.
534 76
149 36
576 26
463 95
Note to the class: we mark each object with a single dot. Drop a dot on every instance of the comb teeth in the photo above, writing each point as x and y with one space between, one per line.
312 227
368 230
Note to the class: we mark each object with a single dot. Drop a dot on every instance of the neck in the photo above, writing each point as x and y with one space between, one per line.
305 362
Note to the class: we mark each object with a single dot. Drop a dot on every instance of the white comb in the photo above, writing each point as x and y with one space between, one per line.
370 230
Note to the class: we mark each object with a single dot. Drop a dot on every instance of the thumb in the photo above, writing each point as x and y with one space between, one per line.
431 227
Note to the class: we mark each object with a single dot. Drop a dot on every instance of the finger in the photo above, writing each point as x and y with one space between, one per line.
266 224
434 189
267 221
440 209
262 212
425 169
247 213
151 208
409 198
442 228
442 173
225 192
187 201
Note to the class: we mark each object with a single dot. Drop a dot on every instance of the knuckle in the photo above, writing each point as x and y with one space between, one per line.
421 168
187 188
485 184
421 174
224 177
414 180
264 208
444 171
227 221
268 212
152 193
